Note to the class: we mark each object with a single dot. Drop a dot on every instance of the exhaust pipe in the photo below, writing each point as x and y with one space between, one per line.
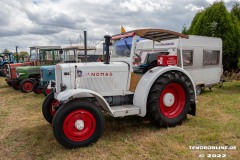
85 45
107 44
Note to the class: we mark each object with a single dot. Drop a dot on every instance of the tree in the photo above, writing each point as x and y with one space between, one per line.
24 53
193 26
236 10
216 21
5 51
185 29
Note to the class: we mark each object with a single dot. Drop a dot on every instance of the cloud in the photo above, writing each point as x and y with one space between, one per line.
56 22
194 7
146 5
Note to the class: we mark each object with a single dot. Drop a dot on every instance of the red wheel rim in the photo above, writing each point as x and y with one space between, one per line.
48 91
28 86
172 100
70 129
54 104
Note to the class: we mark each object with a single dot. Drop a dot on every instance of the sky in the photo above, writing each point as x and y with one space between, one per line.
26 23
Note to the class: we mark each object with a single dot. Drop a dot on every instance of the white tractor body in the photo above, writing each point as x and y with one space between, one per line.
166 94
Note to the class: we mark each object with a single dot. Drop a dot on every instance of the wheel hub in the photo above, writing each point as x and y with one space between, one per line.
28 86
79 124
168 99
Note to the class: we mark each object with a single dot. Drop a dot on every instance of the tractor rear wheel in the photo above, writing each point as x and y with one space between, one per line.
46 91
78 123
37 89
15 85
26 85
49 107
169 99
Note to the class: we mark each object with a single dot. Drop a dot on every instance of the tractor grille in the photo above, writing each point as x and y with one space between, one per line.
58 79
97 84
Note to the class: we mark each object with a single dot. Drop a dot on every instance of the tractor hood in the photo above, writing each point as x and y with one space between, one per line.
27 71
95 76
11 69
52 67
47 73
14 65
94 67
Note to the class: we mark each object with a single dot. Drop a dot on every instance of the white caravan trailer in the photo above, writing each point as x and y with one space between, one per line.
202 57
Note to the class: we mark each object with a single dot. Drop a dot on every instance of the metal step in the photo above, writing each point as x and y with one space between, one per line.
125 110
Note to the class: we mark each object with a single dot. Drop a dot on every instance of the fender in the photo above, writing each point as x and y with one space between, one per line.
83 93
146 82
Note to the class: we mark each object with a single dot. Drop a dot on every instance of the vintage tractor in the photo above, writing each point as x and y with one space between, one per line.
71 54
164 94
47 73
5 58
28 75
10 69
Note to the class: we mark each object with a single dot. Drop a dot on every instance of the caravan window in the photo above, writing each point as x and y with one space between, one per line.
210 57
187 57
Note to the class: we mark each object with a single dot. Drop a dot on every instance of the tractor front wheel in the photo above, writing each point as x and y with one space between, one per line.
37 89
78 123
46 90
26 85
49 107
9 84
169 99
15 85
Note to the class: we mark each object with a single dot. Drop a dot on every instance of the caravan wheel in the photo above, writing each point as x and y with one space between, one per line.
199 90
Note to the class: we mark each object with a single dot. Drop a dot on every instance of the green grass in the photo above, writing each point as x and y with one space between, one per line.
24 134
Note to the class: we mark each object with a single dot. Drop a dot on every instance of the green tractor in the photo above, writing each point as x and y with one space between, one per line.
27 76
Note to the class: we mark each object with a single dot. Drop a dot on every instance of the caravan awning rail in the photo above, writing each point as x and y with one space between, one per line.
152 34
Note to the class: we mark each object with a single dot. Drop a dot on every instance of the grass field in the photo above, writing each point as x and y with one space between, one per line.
24 134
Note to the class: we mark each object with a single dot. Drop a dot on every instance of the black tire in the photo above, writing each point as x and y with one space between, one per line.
2 73
48 109
9 84
46 90
37 88
26 85
16 85
198 90
164 110
87 112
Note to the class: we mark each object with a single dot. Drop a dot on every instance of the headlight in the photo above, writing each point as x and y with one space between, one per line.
49 72
63 87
